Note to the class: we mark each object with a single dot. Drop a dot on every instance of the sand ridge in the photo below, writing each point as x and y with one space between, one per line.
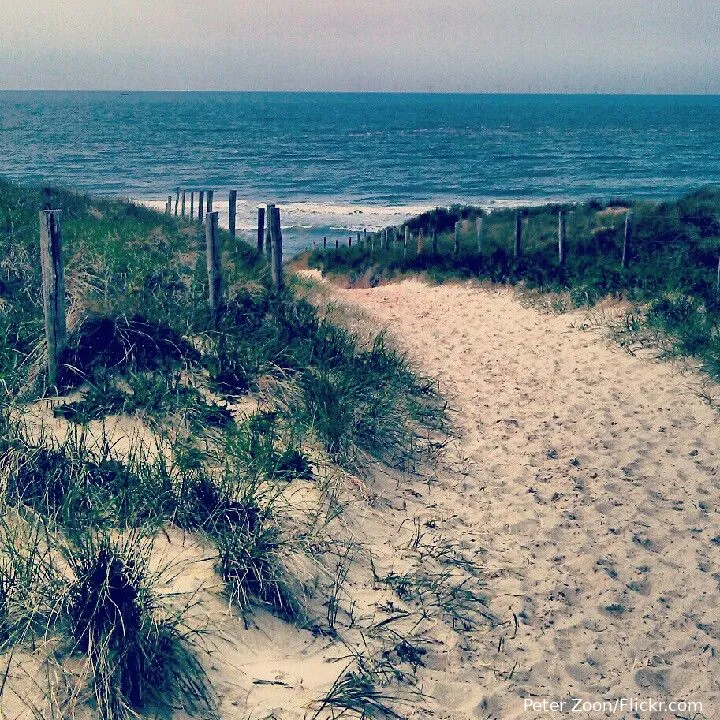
591 479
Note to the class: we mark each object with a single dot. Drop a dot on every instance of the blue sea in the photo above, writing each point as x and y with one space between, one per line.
336 163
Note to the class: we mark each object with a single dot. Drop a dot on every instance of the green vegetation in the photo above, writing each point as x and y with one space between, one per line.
672 273
230 411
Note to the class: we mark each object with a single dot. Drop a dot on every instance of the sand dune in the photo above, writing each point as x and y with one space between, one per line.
591 479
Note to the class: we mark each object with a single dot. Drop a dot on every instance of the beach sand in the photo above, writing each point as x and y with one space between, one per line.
581 481
591 479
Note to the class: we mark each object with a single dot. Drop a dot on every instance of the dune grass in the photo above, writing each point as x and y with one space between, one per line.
237 410
672 273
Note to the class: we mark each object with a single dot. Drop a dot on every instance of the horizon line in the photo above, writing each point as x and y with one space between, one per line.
587 93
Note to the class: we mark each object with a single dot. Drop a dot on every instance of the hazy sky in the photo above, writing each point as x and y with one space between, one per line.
414 45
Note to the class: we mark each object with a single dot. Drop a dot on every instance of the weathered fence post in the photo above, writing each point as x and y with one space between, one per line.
478 231
276 235
232 212
192 204
201 205
182 204
420 238
456 249
434 242
210 200
407 239
350 241
562 236
325 242
177 199
268 237
214 261
518 235
627 239
168 205
359 241
53 289
260 229
337 244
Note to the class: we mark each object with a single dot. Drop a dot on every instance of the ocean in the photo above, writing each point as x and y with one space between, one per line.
337 163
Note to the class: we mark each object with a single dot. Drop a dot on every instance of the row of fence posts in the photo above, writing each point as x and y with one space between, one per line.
53 280
269 240
387 237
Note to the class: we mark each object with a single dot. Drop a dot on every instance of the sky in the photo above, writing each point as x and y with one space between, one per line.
615 46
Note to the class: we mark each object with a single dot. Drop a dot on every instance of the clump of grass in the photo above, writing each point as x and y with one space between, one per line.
137 342
371 406
75 482
139 657
359 690
239 518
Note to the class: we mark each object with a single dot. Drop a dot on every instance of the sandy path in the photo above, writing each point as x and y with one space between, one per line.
591 478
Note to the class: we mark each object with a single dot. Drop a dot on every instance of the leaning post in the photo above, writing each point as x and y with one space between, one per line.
268 237
627 239
177 199
53 289
562 236
214 261
276 235
232 212
261 229
518 235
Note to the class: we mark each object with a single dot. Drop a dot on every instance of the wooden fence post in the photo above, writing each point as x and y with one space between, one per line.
168 206
456 249
276 235
337 244
182 204
518 235
268 236
407 239
325 242
201 205
350 241
260 229
718 277
627 239
434 242
53 289
210 194
359 242
192 204
177 199
232 212
478 231
214 261
420 238
562 236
